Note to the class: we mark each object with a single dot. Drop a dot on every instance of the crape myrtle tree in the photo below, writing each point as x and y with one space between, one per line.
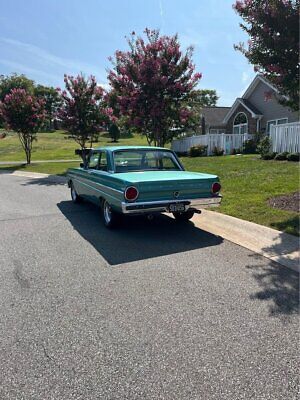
14 81
24 114
83 113
151 82
49 94
273 46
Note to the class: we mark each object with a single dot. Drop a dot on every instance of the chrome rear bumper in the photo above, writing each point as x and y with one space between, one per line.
163 206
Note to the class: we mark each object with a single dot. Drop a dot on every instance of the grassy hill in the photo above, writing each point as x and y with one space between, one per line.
54 146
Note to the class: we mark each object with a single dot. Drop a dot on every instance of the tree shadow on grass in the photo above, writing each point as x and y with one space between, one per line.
137 238
278 284
289 225
10 169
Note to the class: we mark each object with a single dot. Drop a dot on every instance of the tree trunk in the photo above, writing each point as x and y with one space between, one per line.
26 142
28 157
28 148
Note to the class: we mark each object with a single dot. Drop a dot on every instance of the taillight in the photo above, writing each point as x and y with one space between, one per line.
131 193
215 188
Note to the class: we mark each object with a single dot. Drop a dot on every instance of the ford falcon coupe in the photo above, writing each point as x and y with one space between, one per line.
141 180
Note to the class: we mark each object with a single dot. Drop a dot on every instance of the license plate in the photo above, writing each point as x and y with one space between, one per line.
177 207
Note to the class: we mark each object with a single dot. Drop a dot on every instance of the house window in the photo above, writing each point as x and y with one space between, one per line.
240 124
275 122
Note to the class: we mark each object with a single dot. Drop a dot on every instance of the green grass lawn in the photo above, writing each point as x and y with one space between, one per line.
247 181
55 146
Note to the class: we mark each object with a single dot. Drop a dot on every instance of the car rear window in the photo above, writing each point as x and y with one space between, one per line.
145 160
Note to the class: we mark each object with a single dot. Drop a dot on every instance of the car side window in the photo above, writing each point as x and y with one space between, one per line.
103 161
94 161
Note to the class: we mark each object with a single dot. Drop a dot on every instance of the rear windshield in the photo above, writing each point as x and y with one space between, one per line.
145 160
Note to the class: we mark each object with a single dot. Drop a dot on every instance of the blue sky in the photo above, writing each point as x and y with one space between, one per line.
45 39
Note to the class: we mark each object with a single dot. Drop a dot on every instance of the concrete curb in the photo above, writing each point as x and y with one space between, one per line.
276 245
272 244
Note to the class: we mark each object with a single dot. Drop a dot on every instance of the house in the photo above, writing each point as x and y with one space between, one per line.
255 111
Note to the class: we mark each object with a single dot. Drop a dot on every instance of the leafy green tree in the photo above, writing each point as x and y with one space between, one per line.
24 114
52 100
273 46
200 98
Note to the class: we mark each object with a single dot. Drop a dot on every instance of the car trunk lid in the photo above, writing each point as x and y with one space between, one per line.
169 185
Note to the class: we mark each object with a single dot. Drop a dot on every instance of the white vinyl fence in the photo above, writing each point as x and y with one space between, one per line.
227 142
286 137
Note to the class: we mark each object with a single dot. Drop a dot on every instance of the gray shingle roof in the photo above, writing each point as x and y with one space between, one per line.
251 106
214 115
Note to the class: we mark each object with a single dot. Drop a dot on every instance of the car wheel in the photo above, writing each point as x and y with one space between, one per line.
74 196
184 216
110 217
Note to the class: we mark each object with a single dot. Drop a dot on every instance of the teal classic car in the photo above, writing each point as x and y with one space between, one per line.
141 180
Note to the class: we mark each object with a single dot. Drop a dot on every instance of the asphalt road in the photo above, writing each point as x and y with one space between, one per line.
151 311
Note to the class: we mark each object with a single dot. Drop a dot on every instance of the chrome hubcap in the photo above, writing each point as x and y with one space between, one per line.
107 212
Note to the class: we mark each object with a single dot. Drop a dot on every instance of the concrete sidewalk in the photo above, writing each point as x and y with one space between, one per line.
275 245
36 162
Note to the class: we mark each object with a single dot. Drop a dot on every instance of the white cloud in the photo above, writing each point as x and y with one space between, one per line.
245 77
161 13
22 69
44 55
43 66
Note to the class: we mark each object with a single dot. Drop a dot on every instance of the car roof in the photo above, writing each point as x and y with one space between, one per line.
115 148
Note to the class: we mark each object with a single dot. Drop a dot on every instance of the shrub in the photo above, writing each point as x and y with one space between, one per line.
114 132
198 151
249 146
217 151
293 157
268 156
264 147
181 153
281 156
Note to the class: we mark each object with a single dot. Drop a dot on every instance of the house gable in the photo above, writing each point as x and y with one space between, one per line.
260 102
252 122
270 107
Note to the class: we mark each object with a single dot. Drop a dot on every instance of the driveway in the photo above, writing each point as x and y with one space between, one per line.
150 311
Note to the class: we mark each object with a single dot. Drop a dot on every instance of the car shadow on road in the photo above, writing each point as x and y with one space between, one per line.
137 238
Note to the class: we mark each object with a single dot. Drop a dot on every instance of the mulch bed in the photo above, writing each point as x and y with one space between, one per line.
288 202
